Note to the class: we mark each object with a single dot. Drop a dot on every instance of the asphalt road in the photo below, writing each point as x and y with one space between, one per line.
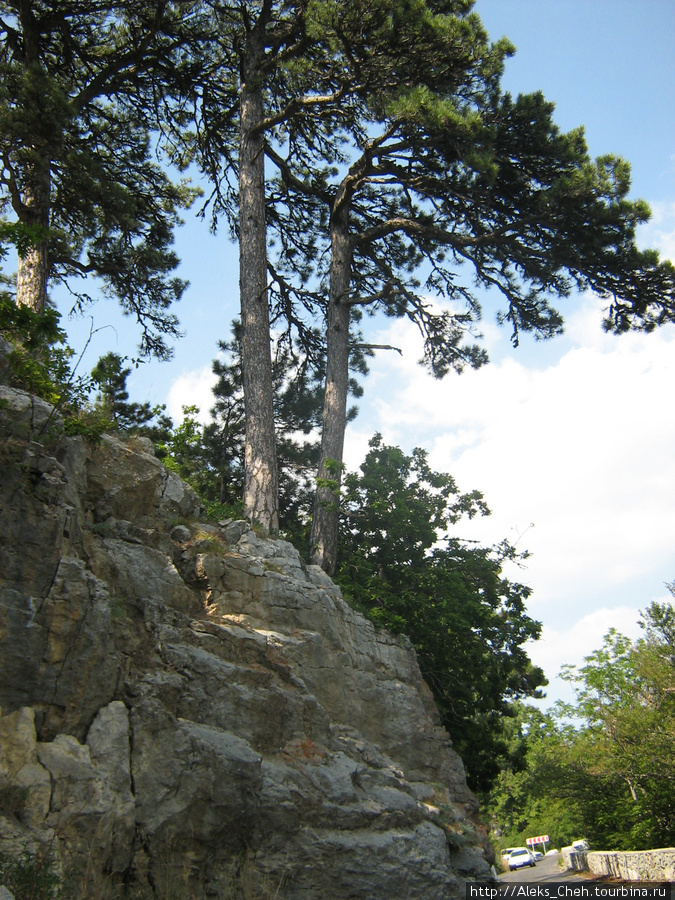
547 869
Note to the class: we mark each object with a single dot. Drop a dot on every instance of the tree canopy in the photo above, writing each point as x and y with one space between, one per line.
78 90
431 170
605 761
467 621
397 162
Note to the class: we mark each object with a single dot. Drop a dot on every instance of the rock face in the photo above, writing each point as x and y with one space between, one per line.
190 711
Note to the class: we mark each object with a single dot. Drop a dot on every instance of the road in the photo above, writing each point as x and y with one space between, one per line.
547 869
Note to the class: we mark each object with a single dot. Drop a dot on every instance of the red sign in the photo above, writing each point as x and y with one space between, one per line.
538 840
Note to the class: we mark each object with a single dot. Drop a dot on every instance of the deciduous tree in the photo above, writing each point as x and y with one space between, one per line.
468 622
608 757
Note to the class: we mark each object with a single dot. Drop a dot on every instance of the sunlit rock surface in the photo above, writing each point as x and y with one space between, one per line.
190 710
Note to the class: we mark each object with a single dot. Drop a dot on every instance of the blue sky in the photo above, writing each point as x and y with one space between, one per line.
571 441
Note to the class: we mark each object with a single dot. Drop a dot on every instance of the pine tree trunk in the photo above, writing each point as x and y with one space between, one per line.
326 517
33 266
261 487
34 207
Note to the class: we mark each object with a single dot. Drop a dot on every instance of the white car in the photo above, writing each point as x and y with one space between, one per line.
520 857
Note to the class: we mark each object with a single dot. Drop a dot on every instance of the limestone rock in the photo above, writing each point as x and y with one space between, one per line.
128 483
192 709
23 416
19 766
59 656
92 806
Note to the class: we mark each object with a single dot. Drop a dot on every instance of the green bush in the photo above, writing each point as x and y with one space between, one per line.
39 361
31 876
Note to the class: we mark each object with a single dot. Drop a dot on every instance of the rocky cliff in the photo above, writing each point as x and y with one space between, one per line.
190 711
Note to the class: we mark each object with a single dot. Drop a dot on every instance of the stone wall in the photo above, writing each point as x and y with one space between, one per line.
643 865
188 710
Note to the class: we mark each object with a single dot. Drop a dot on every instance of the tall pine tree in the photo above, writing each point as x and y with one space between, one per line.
437 168
78 88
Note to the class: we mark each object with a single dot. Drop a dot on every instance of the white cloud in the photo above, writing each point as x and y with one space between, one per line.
193 388
659 232
581 447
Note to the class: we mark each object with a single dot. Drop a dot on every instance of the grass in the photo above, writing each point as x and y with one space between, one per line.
31 876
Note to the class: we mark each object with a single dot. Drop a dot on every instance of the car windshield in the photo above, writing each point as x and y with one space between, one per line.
519 853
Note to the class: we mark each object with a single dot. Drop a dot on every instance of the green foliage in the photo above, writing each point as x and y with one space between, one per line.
523 800
183 452
112 402
625 695
31 877
22 236
40 363
78 104
466 620
190 451
335 469
611 777
218 512
297 383
39 360
90 423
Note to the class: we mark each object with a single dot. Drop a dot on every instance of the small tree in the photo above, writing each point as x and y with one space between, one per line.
109 377
297 410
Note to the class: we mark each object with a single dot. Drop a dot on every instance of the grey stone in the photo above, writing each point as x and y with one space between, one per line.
179 497
199 701
236 530
26 417
180 534
636 865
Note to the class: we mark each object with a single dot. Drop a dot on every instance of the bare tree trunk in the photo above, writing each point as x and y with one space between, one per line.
261 485
326 517
33 266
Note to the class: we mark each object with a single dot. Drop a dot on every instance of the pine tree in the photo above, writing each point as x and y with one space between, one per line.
109 376
297 413
78 89
437 168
